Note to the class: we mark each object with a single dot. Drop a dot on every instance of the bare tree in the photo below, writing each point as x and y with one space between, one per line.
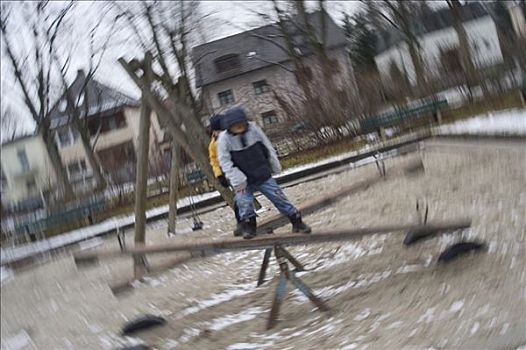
35 83
166 30
463 43
399 15
50 25
79 107
326 98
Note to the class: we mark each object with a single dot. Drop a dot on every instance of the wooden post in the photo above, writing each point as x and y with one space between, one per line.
141 181
174 184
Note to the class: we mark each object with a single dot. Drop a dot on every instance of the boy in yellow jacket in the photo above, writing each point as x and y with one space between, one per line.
215 126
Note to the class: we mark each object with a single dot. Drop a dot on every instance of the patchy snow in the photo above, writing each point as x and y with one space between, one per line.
217 299
17 342
225 321
244 346
5 274
363 315
475 328
428 316
456 306
509 122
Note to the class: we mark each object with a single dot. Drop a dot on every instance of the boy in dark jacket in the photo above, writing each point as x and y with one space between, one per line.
248 160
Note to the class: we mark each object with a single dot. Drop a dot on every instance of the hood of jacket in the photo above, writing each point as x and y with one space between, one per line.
232 116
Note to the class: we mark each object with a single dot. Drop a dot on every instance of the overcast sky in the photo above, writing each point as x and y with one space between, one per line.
227 18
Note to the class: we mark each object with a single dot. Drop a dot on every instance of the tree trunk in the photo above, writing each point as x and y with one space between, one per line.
141 183
463 44
419 68
191 140
64 187
90 154
174 188
403 15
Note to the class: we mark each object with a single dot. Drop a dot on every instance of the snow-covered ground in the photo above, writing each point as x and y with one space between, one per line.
510 122
382 295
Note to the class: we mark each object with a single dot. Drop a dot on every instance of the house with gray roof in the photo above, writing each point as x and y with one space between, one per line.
112 120
245 69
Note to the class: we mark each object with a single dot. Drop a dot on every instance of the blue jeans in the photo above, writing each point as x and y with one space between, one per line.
271 190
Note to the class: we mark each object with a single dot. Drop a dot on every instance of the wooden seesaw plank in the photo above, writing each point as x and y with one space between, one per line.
205 247
407 166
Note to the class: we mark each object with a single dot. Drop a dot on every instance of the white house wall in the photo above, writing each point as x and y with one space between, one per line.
39 164
399 54
484 47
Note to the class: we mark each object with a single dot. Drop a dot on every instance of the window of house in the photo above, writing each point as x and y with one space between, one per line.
77 169
269 118
22 158
31 185
226 97
63 136
67 136
106 124
260 87
227 62
450 59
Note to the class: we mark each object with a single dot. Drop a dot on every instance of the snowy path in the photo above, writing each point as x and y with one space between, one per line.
504 123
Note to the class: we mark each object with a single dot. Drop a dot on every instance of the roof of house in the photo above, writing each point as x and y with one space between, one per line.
100 98
18 138
430 22
264 44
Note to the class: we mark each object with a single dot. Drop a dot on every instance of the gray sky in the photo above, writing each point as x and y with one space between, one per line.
228 18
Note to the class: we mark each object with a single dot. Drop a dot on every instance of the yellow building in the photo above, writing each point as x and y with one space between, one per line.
27 174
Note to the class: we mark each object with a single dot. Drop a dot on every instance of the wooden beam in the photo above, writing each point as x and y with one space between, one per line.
206 246
142 171
174 188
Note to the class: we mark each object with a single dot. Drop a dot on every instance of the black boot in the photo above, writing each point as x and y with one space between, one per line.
239 229
298 225
249 228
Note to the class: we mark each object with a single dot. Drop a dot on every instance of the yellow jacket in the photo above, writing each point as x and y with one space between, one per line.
212 154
